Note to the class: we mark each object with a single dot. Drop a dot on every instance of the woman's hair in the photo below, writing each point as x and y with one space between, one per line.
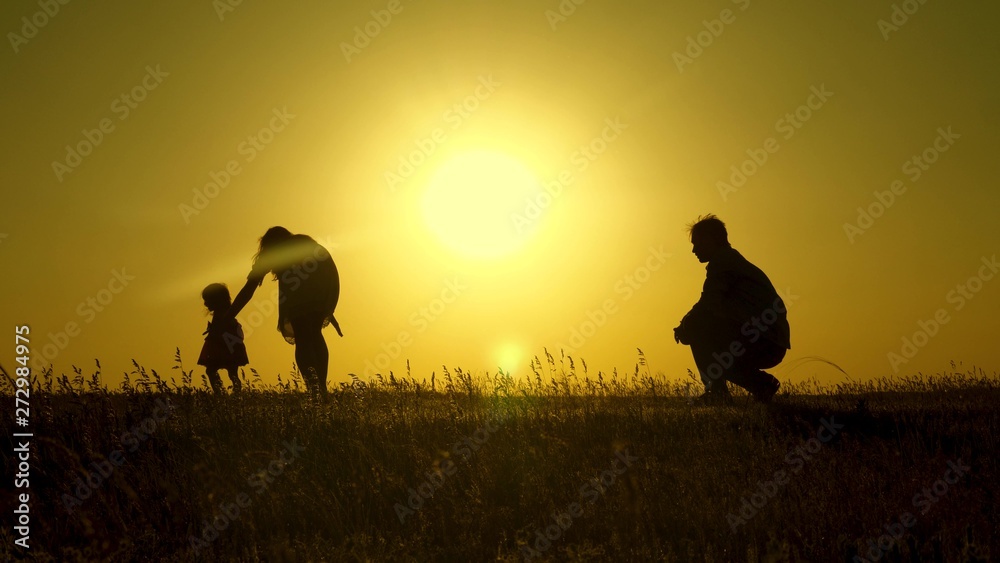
271 239
216 295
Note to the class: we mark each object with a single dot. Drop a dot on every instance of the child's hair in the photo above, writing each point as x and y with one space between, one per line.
216 296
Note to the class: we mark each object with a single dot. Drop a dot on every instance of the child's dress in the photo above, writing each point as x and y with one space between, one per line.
224 348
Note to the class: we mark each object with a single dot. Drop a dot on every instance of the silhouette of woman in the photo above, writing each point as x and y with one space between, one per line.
308 291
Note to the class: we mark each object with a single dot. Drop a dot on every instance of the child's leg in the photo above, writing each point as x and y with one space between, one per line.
234 376
214 379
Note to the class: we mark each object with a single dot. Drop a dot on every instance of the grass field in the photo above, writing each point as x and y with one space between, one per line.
563 466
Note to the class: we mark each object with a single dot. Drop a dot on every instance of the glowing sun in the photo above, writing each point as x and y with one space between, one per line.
470 201
509 357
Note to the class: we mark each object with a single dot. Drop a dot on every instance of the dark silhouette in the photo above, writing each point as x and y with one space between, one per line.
308 291
739 326
223 347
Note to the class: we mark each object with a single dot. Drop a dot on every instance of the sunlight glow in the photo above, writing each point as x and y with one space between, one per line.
509 357
470 200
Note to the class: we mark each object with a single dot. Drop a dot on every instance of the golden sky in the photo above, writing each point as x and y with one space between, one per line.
495 178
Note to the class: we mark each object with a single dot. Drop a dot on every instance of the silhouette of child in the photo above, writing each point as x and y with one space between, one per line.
224 346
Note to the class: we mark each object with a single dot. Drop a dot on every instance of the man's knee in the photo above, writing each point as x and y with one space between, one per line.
720 344
764 354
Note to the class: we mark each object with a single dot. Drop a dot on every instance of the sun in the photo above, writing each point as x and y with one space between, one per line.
508 357
471 200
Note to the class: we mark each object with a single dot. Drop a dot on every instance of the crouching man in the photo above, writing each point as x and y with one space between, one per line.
739 327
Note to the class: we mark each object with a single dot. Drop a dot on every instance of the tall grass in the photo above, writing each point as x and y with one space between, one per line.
371 444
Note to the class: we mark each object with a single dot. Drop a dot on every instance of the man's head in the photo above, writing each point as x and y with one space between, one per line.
708 236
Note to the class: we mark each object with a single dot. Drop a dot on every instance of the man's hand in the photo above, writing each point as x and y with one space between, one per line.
680 335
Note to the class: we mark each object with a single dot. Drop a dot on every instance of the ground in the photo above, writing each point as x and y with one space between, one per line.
480 468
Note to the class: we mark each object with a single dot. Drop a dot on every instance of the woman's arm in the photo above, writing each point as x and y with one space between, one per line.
242 298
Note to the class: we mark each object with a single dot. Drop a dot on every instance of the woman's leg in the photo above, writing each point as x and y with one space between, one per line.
304 359
311 352
322 358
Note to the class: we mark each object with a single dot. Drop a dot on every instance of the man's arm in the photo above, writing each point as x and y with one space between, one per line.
712 302
714 294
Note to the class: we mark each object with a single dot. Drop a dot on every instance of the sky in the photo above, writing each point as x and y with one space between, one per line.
494 179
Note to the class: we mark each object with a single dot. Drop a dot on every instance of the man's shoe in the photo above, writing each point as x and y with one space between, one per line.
768 390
